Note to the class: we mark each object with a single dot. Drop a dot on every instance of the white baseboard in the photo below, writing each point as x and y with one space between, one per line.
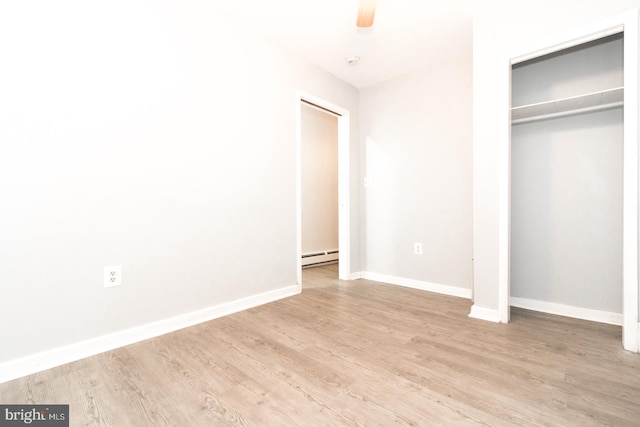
59 356
355 276
568 310
482 313
418 284
632 346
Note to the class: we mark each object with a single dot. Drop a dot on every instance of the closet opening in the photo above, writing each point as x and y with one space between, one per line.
323 196
568 177
566 182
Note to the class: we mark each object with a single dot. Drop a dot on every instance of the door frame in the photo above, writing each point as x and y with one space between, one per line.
626 23
344 194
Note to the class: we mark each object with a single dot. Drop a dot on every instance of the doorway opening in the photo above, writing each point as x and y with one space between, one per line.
323 169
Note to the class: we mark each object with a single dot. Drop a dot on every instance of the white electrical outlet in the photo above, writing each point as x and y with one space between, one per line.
112 276
417 248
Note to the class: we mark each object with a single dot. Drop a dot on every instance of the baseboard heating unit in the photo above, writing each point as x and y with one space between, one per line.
319 258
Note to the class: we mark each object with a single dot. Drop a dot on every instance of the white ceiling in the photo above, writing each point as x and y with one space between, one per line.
407 35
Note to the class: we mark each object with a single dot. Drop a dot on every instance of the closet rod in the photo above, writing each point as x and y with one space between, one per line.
568 113
321 108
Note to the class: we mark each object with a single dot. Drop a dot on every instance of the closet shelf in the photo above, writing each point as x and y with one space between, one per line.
595 101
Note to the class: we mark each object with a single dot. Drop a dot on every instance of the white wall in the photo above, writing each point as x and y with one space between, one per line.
416 136
319 180
151 135
500 27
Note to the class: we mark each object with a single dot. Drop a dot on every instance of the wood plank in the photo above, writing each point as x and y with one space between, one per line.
354 353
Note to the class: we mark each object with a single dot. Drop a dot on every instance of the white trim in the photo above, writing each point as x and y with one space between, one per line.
344 178
355 276
568 311
504 200
485 314
344 195
59 356
627 22
631 112
453 291
299 189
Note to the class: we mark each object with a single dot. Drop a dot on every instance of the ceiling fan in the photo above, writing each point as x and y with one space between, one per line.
366 13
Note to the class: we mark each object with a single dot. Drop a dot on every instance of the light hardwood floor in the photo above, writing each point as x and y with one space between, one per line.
354 353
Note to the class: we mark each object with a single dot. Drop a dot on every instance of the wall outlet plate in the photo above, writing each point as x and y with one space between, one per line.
417 248
112 276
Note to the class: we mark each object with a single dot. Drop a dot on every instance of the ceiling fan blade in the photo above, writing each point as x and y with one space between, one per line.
366 13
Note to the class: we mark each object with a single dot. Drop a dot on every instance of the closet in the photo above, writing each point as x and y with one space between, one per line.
566 196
